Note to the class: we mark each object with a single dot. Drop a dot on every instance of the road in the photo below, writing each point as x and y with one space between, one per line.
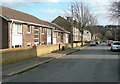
93 64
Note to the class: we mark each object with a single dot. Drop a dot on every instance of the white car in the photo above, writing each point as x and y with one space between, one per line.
92 43
115 45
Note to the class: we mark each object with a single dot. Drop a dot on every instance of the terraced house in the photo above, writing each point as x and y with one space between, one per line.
20 29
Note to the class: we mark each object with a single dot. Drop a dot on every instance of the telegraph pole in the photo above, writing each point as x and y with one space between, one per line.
118 26
72 26
82 31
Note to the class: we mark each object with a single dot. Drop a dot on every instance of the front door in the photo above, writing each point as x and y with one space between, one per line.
49 36
16 35
54 37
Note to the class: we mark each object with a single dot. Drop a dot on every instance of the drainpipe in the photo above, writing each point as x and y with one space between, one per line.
10 34
52 36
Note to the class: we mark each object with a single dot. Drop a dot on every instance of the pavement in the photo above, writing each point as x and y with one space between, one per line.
19 67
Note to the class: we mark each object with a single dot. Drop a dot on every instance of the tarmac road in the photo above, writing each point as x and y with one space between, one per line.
93 64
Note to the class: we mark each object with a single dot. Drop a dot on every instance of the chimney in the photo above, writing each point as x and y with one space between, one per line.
68 18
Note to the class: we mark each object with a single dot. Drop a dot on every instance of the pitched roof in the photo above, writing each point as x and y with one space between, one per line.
62 22
58 27
17 15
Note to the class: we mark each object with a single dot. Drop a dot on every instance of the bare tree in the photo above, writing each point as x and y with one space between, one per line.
92 25
82 15
115 16
115 10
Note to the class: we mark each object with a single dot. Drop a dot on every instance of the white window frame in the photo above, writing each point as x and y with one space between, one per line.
67 36
49 32
55 34
36 43
16 28
43 30
29 44
17 45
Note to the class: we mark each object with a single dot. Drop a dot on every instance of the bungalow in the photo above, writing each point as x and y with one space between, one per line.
60 35
20 29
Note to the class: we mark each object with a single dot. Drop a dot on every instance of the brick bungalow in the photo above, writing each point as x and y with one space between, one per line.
20 29
60 35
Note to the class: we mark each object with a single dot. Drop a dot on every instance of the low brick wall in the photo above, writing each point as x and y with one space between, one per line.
19 54
45 49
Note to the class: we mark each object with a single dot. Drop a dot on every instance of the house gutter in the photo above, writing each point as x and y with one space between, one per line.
5 18
61 31
19 21
68 32
31 23
57 31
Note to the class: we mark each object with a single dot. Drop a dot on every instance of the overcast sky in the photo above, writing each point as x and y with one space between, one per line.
49 9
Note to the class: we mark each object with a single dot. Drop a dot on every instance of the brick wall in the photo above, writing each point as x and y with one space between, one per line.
4 33
28 37
58 39
14 55
64 37
43 36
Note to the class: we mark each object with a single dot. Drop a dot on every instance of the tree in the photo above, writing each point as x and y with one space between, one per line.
115 15
82 16
109 35
92 25
115 10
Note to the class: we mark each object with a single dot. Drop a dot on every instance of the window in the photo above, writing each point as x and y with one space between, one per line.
58 33
29 44
16 46
66 35
43 30
16 28
36 28
36 40
36 35
54 34
29 29
43 43
48 32
36 32
19 31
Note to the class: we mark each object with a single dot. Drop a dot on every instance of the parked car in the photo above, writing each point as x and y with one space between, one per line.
109 42
92 43
115 45
98 42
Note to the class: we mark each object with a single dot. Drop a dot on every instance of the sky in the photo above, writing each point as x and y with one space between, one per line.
48 10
